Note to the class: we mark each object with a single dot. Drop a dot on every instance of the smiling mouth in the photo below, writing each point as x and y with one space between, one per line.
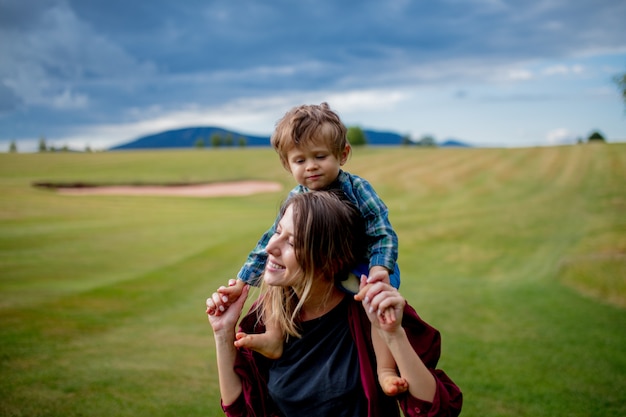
275 266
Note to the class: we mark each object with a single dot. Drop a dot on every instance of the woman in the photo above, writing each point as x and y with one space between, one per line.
328 366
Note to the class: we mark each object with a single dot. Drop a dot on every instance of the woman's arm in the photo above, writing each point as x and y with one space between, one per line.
376 299
224 333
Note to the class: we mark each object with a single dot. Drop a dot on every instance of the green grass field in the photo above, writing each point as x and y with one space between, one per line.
518 256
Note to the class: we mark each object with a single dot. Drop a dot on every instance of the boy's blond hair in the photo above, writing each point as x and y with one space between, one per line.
306 125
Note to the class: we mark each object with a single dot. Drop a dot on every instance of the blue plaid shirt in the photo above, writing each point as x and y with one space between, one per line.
383 241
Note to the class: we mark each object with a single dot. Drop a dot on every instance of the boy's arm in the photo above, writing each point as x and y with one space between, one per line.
253 268
383 244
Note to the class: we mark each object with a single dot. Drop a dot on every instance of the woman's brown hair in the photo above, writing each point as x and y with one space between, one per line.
329 240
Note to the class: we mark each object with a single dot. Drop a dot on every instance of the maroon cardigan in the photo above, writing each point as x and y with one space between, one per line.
253 368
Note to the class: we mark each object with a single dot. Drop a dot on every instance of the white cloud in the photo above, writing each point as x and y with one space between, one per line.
520 75
70 100
252 116
556 69
560 136
563 70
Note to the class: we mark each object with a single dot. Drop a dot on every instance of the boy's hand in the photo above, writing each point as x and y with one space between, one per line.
224 297
378 274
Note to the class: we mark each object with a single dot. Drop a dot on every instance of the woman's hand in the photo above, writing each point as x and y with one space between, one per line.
224 296
383 304
226 319
225 351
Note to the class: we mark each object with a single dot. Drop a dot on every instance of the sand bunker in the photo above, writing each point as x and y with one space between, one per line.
222 189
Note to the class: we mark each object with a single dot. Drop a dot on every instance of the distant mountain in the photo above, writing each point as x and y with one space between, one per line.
188 137
453 143
382 138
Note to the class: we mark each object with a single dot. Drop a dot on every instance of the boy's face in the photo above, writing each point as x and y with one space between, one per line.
315 167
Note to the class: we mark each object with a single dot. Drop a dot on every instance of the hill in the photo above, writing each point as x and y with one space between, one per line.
188 138
454 143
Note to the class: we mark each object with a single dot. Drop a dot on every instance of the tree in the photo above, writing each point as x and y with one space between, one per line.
356 136
199 143
13 147
596 137
242 142
228 141
216 140
42 144
406 140
427 140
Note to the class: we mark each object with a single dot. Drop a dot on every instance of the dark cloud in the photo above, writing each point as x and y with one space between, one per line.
9 102
101 59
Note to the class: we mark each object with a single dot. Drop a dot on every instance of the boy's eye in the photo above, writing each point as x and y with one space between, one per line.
321 156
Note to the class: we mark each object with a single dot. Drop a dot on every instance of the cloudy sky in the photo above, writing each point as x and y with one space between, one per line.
488 72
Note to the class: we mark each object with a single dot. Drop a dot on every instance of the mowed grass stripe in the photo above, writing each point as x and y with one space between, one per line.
102 308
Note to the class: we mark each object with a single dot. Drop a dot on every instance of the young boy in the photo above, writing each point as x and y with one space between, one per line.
312 145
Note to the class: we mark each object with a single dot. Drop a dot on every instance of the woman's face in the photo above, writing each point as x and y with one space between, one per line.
282 268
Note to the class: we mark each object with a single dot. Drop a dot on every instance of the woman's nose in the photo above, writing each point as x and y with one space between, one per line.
271 247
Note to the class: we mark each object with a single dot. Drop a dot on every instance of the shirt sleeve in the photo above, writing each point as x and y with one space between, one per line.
252 270
447 402
383 240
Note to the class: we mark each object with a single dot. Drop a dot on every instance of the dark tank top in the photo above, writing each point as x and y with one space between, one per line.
318 375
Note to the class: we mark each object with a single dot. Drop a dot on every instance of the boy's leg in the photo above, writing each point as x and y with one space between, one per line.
268 344
388 378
